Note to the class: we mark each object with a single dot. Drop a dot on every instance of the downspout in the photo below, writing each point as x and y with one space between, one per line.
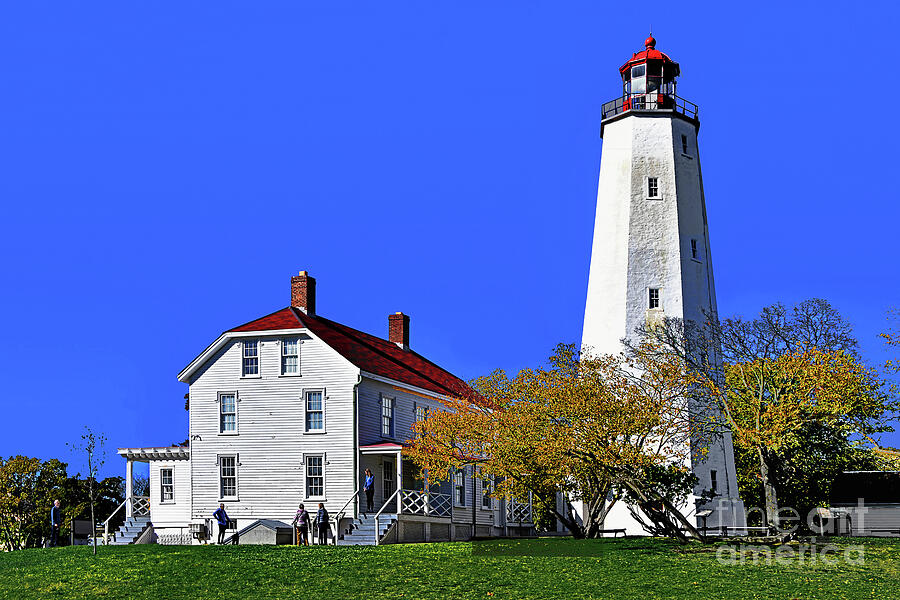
355 473
474 507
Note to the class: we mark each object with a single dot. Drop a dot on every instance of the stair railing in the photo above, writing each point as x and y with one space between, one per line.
342 513
106 522
381 510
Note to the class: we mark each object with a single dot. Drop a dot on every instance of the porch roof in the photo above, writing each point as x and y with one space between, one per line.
381 448
157 453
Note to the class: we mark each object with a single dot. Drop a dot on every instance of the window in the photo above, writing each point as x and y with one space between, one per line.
420 412
654 298
459 485
387 417
684 144
166 485
290 357
228 476
694 253
713 481
487 486
315 475
250 364
653 187
315 412
387 479
227 413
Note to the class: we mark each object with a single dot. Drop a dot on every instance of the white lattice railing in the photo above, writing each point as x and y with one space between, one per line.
518 512
140 506
418 502
174 539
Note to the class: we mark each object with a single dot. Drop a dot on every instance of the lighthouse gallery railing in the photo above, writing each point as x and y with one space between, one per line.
650 102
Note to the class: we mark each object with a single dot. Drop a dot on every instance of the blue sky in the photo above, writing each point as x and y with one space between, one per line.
167 168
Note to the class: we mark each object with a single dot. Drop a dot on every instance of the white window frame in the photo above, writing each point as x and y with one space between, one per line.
221 414
237 464
306 411
650 298
658 195
163 485
385 400
306 476
244 345
487 487
284 345
421 410
459 485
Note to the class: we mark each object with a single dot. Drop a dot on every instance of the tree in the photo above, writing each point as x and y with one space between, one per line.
585 427
786 381
91 446
770 403
27 487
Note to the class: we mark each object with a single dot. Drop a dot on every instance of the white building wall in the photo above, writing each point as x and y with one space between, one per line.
270 442
175 514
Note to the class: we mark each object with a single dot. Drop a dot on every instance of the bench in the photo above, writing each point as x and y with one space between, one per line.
615 532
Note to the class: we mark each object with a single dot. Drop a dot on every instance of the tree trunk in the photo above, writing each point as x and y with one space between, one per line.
771 498
93 523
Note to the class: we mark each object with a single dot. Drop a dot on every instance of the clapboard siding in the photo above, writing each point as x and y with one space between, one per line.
271 442
371 392
178 512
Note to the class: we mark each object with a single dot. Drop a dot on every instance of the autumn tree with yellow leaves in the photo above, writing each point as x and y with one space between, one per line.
781 377
584 427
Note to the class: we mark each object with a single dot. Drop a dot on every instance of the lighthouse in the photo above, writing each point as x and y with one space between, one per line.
651 254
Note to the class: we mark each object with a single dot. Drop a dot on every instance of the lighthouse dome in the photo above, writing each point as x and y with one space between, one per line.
651 53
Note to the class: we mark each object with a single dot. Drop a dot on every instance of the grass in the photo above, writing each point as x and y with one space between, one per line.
518 569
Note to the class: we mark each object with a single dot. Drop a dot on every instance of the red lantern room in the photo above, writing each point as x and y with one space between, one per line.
648 83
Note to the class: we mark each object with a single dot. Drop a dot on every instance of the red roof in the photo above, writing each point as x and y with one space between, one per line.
367 352
651 53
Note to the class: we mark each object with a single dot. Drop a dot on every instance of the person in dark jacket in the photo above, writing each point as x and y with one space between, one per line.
322 520
55 523
369 489
223 520
301 522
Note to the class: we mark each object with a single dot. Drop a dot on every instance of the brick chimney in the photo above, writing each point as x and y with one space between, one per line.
398 329
303 292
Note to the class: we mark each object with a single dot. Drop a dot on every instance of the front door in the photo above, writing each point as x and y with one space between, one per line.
387 477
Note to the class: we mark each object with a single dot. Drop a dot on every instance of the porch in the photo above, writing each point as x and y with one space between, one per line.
137 506
417 510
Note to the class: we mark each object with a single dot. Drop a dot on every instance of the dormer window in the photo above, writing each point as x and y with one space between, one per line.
250 362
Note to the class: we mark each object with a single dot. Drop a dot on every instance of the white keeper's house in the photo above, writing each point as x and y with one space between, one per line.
293 407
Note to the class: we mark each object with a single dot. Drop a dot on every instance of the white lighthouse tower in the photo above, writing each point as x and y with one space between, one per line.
651 253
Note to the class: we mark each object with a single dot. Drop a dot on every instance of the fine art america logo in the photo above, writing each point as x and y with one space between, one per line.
819 521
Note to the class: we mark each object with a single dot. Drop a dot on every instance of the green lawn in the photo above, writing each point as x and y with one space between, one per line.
537 568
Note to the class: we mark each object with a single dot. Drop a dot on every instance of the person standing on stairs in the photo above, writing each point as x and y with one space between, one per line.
369 489
223 520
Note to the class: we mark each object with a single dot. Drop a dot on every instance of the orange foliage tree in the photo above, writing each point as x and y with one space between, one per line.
582 427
